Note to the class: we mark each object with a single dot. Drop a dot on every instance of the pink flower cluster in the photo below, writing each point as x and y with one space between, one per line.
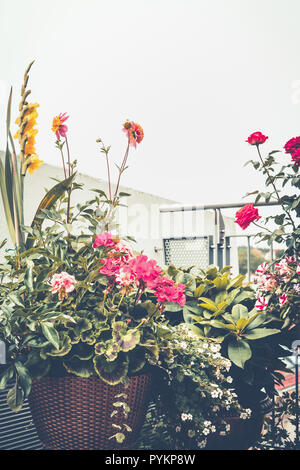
105 239
128 271
63 283
274 287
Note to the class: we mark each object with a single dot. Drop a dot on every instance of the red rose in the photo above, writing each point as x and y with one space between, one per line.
293 148
292 145
256 138
296 157
246 215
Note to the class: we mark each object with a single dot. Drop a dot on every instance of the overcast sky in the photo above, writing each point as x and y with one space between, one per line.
198 75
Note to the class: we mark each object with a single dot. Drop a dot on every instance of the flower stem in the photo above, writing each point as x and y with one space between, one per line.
263 228
70 189
63 162
121 170
108 174
275 189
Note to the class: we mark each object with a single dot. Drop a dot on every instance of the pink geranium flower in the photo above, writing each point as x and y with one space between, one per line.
110 268
167 291
105 239
145 269
125 278
63 283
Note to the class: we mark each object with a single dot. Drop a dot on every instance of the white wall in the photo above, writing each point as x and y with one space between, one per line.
139 218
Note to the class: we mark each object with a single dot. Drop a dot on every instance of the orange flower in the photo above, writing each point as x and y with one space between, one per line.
30 143
26 122
134 132
34 163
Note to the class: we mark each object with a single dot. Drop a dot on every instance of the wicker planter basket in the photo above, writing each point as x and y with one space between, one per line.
74 413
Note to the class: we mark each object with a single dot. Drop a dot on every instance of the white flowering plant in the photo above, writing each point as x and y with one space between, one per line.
196 395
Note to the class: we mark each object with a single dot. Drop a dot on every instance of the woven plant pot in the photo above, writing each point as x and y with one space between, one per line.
74 413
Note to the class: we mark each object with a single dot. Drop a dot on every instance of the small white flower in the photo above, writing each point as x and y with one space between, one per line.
178 428
229 379
213 428
189 417
214 394
215 348
227 428
206 431
202 444
202 365
205 345
207 423
216 355
184 417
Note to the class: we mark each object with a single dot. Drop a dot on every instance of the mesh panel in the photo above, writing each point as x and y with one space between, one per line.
184 252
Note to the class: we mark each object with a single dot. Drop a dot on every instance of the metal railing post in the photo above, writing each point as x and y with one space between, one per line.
248 257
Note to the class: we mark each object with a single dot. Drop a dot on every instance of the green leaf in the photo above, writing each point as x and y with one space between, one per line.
260 333
47 202
78 367
241 323
24 378
15 398
219 324
239 352
16 299
239 311
111 373
64 348
199 291
50 333
28 279
6 375
127 339
6 204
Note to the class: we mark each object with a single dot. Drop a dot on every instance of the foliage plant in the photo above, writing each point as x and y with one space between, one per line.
221 308
73 294
196 394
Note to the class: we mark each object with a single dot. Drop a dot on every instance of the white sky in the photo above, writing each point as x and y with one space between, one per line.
198 75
